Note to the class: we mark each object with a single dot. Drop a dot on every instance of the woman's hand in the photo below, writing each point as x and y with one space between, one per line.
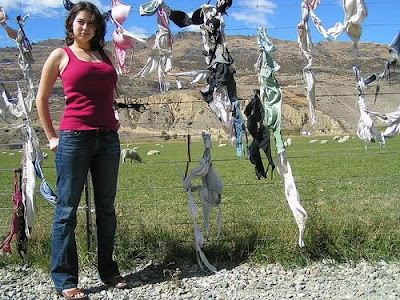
53 144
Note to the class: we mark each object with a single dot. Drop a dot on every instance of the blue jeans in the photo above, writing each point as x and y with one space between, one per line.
77 153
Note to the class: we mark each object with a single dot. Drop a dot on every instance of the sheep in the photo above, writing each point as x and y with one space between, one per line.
130 153
135 148
324 142
288 142
346 138
336 138
221 144
153 152
313 141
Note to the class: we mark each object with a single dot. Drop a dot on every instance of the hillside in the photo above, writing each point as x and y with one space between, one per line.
172 112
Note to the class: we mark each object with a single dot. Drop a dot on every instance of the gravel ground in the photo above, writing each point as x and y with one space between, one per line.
323 280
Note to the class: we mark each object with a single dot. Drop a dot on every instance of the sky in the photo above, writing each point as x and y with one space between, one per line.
46 19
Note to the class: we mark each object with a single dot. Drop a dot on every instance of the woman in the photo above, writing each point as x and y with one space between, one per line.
88 140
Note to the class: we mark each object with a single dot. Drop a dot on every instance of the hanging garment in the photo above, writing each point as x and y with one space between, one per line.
223 5
25 57
310 88
45 189
180 18
23 108
3 16
212 30
355 12
271 98
17 216
119 11
32 153
220 93
195 75
394 49
161 55
210 196
238 127
261 136
12 33
270 91
12 109
122 39
68 4
149 8
304 35
305 45
366 129
292 195
393 121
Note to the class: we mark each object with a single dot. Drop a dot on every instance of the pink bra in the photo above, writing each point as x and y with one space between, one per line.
120 11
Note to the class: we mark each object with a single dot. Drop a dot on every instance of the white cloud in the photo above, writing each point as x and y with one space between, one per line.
253 12
193 28
139 31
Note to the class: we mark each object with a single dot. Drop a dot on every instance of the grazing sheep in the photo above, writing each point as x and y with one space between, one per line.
45 155
130 153
336 138
153 152
324 142
136 148
344 139
221 144
313 141
289 142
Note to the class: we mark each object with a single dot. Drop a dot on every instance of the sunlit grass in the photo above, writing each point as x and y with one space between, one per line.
350 191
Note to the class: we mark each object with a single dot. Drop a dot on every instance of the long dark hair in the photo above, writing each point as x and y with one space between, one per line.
97 42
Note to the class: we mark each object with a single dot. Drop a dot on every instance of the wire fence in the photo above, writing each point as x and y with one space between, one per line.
42 205
85 208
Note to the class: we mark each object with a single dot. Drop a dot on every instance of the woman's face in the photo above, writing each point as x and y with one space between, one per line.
82 27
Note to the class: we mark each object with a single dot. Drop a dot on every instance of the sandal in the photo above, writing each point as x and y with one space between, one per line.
73 294
117 282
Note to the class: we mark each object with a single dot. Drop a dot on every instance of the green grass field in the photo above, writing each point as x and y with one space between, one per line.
350 191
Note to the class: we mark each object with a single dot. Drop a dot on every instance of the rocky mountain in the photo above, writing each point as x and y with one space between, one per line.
180 111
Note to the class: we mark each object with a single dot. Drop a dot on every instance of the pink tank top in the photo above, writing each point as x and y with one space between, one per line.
89 88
